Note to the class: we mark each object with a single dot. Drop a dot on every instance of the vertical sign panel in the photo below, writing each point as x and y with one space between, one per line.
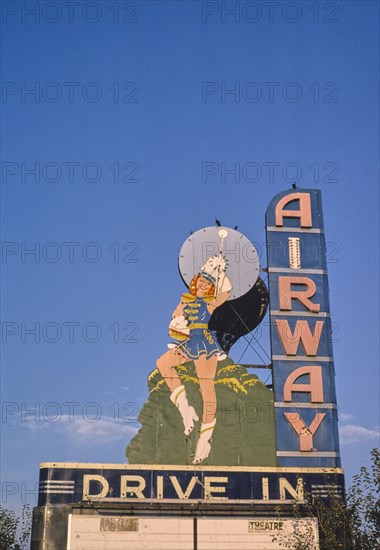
302 357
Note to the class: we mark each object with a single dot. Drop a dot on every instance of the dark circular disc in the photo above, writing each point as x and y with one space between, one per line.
236 318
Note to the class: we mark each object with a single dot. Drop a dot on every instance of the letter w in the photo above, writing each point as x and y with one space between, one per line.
302 333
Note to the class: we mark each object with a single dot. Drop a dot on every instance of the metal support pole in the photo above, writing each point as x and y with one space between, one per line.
195 533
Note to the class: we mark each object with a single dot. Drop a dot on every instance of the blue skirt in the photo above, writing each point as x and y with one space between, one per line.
200 342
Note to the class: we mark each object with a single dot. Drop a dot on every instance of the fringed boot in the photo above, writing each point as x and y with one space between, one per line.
189 416
203 445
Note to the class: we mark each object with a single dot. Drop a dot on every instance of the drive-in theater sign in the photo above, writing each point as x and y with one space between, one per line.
220 457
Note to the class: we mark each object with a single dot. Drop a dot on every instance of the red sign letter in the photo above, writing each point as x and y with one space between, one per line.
302 333
305 433
286 294
314 387
304 212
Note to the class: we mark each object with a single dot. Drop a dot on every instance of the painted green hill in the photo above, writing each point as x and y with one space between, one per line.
244 434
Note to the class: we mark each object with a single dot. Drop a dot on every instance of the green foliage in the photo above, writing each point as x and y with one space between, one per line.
353 524
8 527
363 506
244 433
9 524
344 524
302 536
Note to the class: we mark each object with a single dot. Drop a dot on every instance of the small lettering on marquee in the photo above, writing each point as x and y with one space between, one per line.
263 526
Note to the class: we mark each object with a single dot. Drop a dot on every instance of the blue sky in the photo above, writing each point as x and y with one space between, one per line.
139 112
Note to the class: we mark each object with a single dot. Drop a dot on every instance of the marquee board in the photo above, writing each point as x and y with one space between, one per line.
157 533
212 433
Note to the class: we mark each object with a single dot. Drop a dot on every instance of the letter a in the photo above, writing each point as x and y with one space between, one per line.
304 212
314 387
